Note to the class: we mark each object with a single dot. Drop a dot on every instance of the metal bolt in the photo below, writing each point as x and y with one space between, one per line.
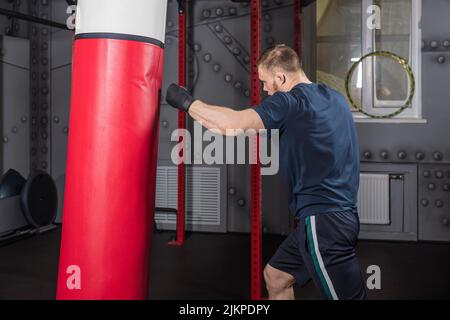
219 11
434 44
56 119
431 187
401 155
420 156
216 67
227 40
424 202
236 51
218 28
441 60
384 155
207 57
5 139
232 191
14 129
438 156
426 174
228 78
367 154
165 123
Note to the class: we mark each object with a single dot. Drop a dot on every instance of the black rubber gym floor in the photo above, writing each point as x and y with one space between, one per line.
216 266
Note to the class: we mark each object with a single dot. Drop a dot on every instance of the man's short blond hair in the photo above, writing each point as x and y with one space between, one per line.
280 56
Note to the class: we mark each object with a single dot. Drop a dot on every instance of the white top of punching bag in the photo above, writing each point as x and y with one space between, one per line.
138 18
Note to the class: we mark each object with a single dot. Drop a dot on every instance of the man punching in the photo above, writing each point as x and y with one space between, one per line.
319 159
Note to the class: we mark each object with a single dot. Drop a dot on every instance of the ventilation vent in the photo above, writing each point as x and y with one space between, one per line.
202 195
373 199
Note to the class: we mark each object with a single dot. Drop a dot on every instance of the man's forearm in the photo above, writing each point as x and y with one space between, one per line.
214 117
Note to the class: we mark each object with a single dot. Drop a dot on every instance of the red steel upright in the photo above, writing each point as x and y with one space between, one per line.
256 223
112 150
181 124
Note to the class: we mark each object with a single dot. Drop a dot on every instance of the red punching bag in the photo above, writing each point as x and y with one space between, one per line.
112 151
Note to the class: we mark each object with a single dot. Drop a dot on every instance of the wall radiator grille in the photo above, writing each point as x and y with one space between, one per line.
373 199
202 195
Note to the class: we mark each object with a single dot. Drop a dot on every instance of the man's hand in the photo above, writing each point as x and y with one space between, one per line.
178 97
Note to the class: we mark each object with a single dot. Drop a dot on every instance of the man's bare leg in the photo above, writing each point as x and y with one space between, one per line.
279 284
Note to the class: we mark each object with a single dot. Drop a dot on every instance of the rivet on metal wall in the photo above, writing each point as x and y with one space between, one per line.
44 135
44 75
439 203
23 119
44 149
441 60
44 120
44 106
446 44
219 11
56 119
236 51
232 11
227 40
217 67
5 139
197 47
44 165
14 129
434 44
267 17
238 85
267 28
66 130
44 90
424 202
207 57
206 13
218 28
228 77
402 155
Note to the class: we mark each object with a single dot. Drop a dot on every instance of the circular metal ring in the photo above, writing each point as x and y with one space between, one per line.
405 67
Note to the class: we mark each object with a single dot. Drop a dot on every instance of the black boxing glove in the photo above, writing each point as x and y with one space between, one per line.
178 97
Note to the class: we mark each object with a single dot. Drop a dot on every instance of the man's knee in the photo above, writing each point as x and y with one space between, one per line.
277 280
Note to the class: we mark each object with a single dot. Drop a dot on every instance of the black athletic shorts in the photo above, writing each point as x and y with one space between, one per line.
322 248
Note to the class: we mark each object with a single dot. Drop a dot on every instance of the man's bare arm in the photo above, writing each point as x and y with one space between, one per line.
225 120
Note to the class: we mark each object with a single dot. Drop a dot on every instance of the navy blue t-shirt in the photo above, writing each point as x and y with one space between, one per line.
319 152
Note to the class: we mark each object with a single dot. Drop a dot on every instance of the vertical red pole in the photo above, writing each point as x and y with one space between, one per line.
181 122
256 223
298 27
